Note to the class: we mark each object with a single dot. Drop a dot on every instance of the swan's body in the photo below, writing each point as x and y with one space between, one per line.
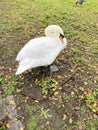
40 51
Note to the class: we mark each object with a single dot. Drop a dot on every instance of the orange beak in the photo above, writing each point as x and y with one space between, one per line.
61 37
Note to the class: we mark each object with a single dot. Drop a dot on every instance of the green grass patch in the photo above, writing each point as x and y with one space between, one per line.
91 100
32 124
11 84
79 59
47 84
45 113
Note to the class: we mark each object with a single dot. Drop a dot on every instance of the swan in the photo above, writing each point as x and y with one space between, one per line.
41 51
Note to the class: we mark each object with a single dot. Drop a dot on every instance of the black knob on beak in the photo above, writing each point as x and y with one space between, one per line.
61 35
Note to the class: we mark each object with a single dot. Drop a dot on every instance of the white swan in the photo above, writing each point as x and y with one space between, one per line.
41 51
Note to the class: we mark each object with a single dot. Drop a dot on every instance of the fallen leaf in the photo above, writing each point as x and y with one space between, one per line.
31 85
80 128
85 83
60 88
8 125
47 123
96 70
21 128
95 40
64 117
6 113
2 67
94 110
77 108
56 93
97 24
81 88
36 101
60 77
36 81
26 99
70 121
12 102
18 90
72 93
42 126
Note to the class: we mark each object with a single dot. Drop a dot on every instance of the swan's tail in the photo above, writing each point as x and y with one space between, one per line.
23 66
21 69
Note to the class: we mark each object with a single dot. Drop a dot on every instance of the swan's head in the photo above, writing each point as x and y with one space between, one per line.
54 31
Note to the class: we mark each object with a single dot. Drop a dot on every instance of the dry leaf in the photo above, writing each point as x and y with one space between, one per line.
96 70
36 81
95 40
56 93
97 24
36 101
12 102
60 88
94 110
64 117
21 128
18 90
70 121
8 125
85 83
26 99
60 77
1 67
6 113
72 93
81 88
47 123
31 85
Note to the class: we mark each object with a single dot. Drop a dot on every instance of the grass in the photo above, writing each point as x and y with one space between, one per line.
91 100
9 83
47 84
45 113
32 124
2 126
73 90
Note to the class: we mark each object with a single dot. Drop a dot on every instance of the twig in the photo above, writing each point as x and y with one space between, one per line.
70 76
24 93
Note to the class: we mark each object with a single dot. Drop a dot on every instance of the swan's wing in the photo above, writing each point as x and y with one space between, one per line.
37 48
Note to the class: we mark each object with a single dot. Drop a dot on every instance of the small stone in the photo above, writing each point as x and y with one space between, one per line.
1 114
42 126
16 125
0 102
10 107
77 108
2 106
53 68
9 98
12 114
0 97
